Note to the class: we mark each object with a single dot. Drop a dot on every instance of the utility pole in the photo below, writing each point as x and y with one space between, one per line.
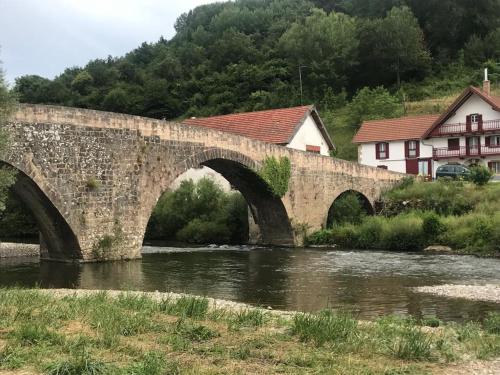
300 79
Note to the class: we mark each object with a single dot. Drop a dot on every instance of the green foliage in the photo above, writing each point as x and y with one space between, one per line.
276 173
200 213
432 226
492 323
452 213
480 175
16 221
327 45
347 208
372 104
392 46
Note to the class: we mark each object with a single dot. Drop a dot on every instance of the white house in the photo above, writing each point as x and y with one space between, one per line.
300 128
468 132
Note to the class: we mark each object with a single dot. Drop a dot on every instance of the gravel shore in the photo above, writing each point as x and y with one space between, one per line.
487 292
14 250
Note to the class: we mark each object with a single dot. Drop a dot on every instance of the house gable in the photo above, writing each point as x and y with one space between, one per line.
471 100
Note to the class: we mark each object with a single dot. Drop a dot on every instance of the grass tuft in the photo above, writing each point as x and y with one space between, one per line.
326 326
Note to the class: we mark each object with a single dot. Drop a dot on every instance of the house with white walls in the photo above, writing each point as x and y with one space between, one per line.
467 133
300 128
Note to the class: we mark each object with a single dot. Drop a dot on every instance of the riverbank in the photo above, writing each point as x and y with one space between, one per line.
456 215
13 250
81 331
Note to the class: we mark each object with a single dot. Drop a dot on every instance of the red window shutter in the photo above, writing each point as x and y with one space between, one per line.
377 151
468 123
487 141
387 150
407 149
418 148
480 122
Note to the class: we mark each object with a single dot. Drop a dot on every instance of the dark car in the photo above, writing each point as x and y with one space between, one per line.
453 171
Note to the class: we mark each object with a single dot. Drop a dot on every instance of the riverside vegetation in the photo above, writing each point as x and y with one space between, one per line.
135 334
459 214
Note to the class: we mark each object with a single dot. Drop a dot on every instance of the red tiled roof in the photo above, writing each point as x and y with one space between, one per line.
273 126
403 128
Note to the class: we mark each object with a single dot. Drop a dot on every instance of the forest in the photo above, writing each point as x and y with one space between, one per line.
359 59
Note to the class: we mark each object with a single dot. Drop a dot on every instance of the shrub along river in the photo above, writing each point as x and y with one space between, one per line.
369 283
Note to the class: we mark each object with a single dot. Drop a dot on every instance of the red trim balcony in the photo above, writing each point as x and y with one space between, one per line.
465 152
462 128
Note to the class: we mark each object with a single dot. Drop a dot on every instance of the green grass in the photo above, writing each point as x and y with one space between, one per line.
133 334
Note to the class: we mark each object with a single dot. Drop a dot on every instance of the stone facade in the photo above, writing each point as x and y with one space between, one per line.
92 178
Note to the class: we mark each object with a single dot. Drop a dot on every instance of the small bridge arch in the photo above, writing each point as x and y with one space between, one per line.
365 204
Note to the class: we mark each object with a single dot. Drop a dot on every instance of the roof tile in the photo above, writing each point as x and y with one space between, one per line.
403 128
272 126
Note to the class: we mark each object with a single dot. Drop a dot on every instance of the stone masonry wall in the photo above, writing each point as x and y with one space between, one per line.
104 172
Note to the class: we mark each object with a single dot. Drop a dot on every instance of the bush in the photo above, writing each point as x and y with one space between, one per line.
199 231
492 323
480 175
404 234
432 227
200 213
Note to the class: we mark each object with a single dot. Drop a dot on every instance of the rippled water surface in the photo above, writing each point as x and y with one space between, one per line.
369 283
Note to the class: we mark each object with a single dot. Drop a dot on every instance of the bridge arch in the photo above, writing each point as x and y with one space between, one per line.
365 204
239 170
59 239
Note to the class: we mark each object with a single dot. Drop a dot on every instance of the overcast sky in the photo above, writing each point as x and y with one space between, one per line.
46 36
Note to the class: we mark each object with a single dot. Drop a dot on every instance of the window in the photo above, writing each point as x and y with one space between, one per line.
474 118
453 144
495 141
314 149
412 149
382 150
494 166
473 142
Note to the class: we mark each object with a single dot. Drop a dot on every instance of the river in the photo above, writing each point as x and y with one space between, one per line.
368 283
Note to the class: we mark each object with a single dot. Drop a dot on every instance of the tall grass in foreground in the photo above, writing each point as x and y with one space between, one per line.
136 335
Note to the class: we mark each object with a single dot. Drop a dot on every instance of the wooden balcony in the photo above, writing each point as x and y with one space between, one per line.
465 152
462 128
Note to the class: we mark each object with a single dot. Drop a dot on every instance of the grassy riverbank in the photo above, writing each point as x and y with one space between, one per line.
457 214
136 334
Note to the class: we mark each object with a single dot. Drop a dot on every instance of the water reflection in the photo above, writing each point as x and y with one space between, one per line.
368 283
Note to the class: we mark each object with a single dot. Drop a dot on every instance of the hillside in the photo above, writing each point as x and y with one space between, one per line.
359 59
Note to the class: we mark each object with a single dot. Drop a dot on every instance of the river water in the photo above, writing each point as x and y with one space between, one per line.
369 283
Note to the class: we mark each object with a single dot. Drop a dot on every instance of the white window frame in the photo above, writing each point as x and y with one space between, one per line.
412 152
382 150
474 118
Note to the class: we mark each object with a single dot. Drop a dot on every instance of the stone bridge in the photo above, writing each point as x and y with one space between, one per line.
92 179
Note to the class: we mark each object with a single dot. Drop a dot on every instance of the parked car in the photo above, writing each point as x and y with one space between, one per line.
453 171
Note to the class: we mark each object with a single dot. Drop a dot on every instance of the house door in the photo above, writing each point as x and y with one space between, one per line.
425 167
412 166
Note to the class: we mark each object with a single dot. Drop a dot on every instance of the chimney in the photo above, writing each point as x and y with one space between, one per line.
486 83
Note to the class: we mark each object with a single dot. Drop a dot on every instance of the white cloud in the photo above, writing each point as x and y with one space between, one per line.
45 37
